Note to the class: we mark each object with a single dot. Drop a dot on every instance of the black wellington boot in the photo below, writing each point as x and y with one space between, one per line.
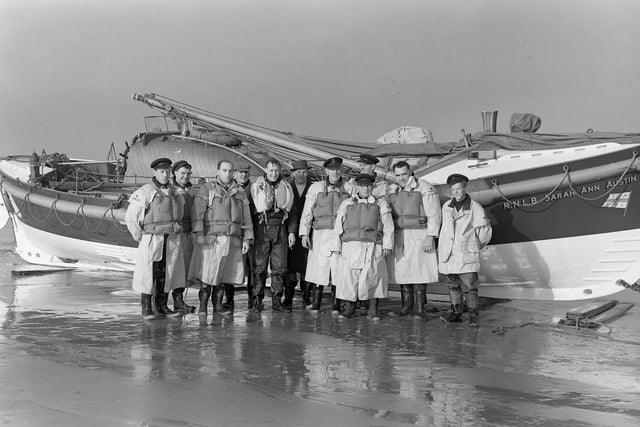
317 298
178 302
216 299
307 292
349 309
229 293
276 302
373 309
203 294
453 315
335 302
407 300
162 299
472 305
257 293
289 291
421 296
147 310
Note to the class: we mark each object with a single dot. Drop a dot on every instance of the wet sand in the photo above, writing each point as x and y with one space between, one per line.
75 352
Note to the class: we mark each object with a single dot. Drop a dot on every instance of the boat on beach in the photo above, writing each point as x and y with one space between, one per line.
566 225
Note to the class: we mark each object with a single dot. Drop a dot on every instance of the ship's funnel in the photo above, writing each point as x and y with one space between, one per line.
489 121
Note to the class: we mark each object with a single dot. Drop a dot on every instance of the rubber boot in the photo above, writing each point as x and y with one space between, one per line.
162 299
250 295
258 293
317 298
178 302
307 291
276 302
147 310
203 294
406 292
421 297
229 293
453 315
216 298
349 309
335 302
472 305
289 291
373 309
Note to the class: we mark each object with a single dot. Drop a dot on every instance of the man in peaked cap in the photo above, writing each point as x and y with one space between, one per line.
154 219
319 214
465 231
363 238
367 165
243 178
297 256
182 183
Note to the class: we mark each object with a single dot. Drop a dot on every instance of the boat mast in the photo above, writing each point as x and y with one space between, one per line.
186 113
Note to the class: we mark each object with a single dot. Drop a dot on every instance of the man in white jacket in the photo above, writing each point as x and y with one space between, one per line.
417 217
316 230
465 231
363 239
154 220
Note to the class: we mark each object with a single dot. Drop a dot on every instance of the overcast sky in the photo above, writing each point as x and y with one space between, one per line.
346 69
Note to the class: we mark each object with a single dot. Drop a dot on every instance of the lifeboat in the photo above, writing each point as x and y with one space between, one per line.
565 208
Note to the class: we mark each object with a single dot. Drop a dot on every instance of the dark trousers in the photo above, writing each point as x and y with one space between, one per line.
271 247
159 270
467 284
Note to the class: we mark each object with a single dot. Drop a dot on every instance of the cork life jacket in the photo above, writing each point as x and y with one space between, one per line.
362 223
273 201
187 194
164 214
407 210
224 215
326 207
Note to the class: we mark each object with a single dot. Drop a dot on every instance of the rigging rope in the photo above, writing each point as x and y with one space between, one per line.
567 176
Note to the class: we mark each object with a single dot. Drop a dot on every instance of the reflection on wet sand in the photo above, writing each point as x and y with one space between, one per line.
393 372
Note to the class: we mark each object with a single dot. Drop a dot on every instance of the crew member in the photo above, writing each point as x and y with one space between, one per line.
316 230
417 217
221 220
154 219
465 231
242 175
275 223
367 165
181 181
363 237
297 257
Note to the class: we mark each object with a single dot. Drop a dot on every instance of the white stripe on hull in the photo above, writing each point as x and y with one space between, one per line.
41 247
570 268
557 269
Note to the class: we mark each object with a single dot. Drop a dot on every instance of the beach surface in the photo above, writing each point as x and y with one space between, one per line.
74 351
